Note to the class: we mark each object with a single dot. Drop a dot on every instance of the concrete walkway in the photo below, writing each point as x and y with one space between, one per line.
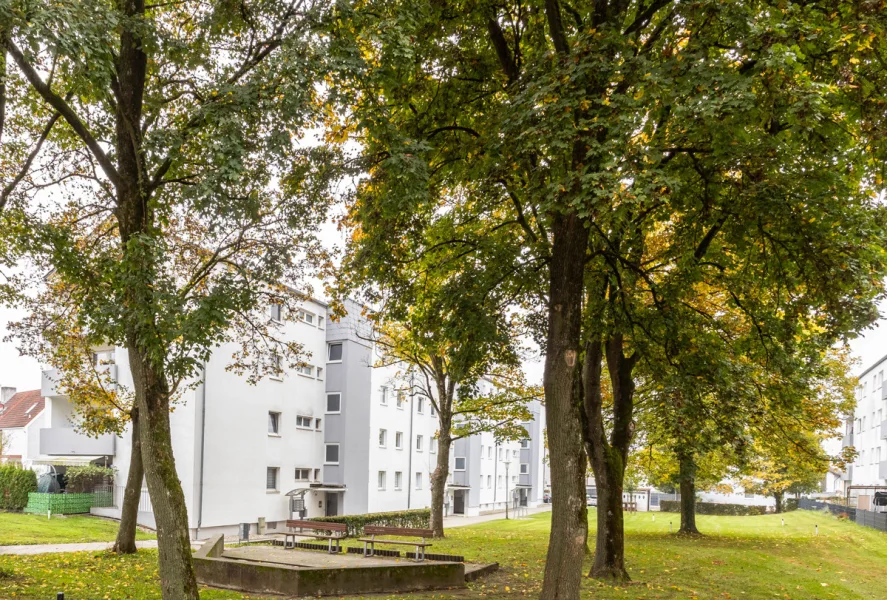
50 548
457 521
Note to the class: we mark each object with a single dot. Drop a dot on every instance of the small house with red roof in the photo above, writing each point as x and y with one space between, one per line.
22 414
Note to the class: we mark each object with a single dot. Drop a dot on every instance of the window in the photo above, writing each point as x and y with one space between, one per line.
418 480
332 454
276 366
481 450
304 315
381 480
383 438
304 422
525 444
398 440
418 443
433 445
500 453
420 406
317 423
460 463
489 452
271 478
431 406
319 373
334 403
276 312
489 482
274 423
320 322
514 454
513 479
316 474
400 400
384 400
334 353
106 357
305 370
303 474
524 469
398 480
499 482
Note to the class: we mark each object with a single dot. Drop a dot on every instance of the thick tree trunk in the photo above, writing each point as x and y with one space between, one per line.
609 552
687 476
439 484
569 521
778 499
177 581
126 534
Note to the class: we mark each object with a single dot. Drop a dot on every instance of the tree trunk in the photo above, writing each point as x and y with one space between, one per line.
569 521
177 581
778 498
126 533
687 476
609 552
439 483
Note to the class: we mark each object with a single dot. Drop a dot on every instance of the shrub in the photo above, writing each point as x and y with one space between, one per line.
714 508
15 485
419 518
790 504
82 480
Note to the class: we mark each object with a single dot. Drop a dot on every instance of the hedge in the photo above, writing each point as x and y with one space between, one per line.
419 518
59 504
790 504
15 485
83 480
713 508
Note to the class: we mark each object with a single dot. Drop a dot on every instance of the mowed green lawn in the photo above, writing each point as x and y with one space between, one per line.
18 528
740 557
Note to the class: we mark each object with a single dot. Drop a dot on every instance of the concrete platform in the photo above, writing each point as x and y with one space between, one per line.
293 572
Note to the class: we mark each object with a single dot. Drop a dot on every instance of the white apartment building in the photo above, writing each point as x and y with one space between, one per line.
338 436
867 432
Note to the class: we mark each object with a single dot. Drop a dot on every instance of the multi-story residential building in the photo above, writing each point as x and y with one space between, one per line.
340 435
866 431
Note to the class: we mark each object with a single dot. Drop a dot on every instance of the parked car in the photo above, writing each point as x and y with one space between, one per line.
590 500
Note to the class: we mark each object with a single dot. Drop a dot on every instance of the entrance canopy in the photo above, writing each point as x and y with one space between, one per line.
68 461
458 486
320 488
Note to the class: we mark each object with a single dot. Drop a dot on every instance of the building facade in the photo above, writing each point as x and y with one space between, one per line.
336 436
866 431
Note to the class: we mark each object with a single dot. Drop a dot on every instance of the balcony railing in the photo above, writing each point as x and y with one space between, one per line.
65 441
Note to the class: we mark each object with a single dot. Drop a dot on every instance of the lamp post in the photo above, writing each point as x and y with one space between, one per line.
507 467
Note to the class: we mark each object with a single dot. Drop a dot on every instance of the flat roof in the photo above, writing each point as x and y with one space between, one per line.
873 367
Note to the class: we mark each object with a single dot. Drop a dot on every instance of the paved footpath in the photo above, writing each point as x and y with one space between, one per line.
452 521
455 521
49 548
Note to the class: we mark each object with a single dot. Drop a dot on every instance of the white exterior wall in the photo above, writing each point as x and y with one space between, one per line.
870 413
737 497
16 439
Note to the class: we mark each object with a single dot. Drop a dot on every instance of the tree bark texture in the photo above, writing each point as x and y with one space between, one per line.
687 477
569 523
439 483
126 534
778 499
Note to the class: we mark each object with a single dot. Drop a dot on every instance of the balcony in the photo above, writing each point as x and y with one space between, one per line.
49 379
65 441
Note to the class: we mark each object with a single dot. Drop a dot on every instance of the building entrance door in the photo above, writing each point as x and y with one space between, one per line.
332 504
459 502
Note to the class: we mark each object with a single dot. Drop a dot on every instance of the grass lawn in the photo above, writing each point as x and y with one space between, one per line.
18 528
740 557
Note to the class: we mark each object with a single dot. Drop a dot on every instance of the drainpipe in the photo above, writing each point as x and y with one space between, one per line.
410 449
202 450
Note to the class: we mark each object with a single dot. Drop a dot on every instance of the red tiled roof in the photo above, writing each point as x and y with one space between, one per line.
15 413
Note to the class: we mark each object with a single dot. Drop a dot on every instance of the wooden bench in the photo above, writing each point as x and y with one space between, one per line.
369 544
336 532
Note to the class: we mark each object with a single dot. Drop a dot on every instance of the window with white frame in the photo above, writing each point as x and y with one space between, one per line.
320 373
398 440
420 405
306 370
334 403
481 450
460 463
489 482
304 315
383 438
334 352
398 480
320 322
513 479
274 423
432 411
524 468
271 478
276 312
381 478
499 482
276 366
401 398
384 399
302 474
303 422
418 480
317 423
432 445
489 452
525 443
514 454
500 454
332 454
316 474
418 443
